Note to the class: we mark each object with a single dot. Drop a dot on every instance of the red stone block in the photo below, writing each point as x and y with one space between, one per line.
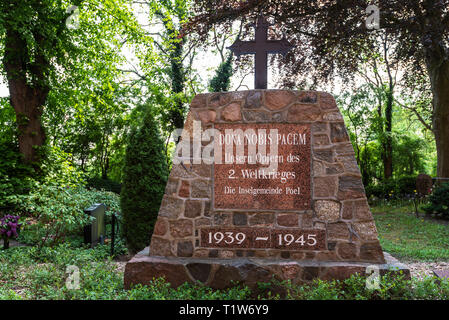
184 190
278 99
288 220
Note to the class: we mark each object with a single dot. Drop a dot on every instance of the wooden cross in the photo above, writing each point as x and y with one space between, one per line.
261 47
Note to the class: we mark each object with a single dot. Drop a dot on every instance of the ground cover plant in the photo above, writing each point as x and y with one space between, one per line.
439 201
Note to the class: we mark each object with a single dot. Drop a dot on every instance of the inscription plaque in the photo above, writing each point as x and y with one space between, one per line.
263 166
263 238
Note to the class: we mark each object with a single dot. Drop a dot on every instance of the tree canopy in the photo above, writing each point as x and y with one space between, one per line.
79 73
331 38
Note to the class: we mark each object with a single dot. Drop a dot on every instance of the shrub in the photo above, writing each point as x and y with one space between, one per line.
144 179
9 227
393 188
14 175
376 191
104 184
58 169
390 287
439 201
406 185
59 211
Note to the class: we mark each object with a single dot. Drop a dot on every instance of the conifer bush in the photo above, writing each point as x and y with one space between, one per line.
144 180
222 78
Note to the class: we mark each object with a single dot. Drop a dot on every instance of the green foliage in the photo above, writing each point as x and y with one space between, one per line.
413 148
409 154
404 186
319 290
17 179
159 289
59 170
44 273
54 212
7 121
86 110
104 184
170 63
439 201
391 287
42 276
145 177
14 175
430 289
66 68
222 78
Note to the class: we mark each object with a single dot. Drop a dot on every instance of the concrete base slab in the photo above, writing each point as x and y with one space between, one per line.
441 274
224 273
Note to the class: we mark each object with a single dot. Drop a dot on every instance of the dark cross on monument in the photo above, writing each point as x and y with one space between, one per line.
261 47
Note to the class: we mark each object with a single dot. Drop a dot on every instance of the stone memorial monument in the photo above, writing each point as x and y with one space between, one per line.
264 184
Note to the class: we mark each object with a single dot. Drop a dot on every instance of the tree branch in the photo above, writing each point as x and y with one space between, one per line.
420 118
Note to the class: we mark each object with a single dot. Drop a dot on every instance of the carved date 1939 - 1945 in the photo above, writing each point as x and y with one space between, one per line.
263 238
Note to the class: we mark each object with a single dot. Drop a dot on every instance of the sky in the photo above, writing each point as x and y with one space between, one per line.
4 92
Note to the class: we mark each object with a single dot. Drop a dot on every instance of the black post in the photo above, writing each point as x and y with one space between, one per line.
416 206
5 243
112 234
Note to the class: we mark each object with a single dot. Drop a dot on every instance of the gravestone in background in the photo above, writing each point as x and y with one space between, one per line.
424 184
95 232
221 222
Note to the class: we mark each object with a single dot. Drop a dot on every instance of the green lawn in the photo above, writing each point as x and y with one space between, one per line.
414 239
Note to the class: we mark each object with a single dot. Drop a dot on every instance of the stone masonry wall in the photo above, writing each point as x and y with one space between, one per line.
339 203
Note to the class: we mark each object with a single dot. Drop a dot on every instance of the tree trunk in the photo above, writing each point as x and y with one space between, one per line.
384 136
26 98
27 104
439 77
364 167
388 151
178 77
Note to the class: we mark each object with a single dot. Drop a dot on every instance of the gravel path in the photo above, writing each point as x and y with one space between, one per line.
120 266
422 269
